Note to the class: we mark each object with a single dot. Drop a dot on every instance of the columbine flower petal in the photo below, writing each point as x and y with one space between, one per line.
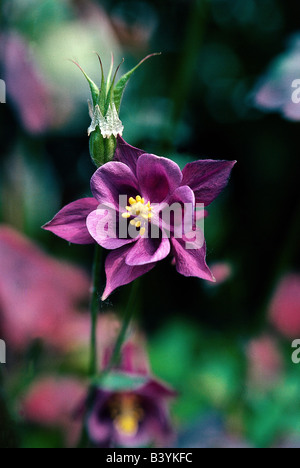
191 262
148 250
112 180
70 222
107 238
127 154
207 178
118 273
158 177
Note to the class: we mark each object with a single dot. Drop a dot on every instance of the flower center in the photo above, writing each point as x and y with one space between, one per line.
127 414
140 211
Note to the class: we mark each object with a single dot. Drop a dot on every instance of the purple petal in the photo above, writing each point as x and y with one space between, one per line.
127 154
207 178
100 431
103 226
148 250
158 177
118 273
112 180
183 195
184 217
191 262
70 222
156 423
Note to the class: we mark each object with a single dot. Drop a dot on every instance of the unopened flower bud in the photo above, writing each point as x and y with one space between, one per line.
104 110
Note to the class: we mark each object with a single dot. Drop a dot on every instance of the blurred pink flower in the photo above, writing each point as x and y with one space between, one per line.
284 311
221 271
39 296
265 362
53 402
75 335
274 91
25 84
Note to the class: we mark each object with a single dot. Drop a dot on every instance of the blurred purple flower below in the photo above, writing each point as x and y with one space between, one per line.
144 179
275 90
130 407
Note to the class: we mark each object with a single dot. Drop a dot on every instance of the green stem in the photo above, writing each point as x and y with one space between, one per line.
128 315
9 438
94 308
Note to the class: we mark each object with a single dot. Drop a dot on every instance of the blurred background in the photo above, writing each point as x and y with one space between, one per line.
222 89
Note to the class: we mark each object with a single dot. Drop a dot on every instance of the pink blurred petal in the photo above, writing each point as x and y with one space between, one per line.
221 271
284 311
265 362
25 85
52 402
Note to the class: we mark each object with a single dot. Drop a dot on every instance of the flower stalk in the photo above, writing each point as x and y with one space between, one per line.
128 315
94 307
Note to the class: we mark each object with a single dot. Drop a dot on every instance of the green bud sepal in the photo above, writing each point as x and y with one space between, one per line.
104 111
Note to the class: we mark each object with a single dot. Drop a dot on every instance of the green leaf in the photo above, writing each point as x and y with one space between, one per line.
120 382
121 85
93 87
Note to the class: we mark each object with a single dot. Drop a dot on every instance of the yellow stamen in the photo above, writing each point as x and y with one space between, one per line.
127 424
127 414
140 212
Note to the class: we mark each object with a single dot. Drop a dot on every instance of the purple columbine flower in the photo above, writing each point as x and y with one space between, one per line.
133 417
129 407
149 184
